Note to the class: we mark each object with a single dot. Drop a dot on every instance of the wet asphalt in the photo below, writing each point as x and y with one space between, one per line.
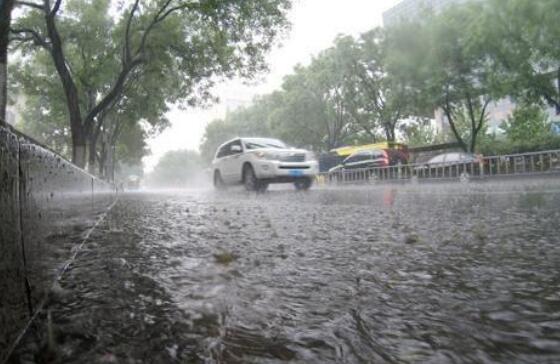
440 273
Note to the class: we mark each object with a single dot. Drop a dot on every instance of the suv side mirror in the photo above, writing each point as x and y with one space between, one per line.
236 148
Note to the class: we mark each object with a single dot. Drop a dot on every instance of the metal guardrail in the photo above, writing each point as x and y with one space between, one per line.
536 163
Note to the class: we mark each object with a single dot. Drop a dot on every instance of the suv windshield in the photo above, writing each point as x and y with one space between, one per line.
263 143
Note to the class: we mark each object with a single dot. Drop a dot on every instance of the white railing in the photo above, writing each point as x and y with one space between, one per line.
535 163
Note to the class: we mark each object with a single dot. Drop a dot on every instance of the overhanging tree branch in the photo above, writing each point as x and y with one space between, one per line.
113 93
33 35
30 5
68 84
131 63
479 124
470 109
448 113
482 114
55 8
127 51
159 17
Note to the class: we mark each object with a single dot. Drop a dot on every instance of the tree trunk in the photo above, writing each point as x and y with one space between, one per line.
79 135
460 140
79 147
390 132
102 162
111 150
477 125
474 135
475 129
5 20
92 145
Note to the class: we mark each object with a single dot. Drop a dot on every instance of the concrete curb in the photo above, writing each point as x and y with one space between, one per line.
46 205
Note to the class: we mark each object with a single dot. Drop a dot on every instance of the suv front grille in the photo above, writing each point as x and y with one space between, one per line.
299 157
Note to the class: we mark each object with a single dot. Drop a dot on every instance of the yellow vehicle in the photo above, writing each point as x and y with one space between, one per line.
335 156
348 150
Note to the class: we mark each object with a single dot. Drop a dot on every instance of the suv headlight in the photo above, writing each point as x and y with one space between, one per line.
267 156
310 156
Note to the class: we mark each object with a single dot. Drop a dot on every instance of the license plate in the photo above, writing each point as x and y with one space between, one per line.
295 172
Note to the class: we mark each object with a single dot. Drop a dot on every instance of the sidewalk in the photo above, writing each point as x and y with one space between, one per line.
106 311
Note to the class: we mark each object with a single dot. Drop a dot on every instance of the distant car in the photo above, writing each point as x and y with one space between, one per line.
133 182
257 162
371 158
364 164
453 164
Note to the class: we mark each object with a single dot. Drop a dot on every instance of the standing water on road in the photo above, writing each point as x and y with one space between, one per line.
430 273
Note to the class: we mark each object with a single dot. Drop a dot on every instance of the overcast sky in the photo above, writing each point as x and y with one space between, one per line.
315 24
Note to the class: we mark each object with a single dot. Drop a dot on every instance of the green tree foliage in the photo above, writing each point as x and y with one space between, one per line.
177 168
528 129
522 37
303 117
187 44
42 123
45 109
128 68
385 92
457 63
328 81
419 133
217 132
527 122
461 81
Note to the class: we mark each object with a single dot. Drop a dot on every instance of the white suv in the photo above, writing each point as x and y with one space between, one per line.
257 162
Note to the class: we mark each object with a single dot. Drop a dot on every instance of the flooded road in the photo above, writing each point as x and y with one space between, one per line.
434 274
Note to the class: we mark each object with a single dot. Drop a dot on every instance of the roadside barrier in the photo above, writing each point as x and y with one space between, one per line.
526 164
46 204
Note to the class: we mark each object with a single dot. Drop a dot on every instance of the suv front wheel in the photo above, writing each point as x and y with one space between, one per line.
251 182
